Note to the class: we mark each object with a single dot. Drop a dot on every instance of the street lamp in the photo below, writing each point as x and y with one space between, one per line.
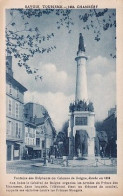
45 151
45 163
55 149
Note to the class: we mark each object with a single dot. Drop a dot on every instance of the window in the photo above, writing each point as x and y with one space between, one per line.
34 133
10 89
37 141
12 129
17 110
30 132
26 115
10 107
18 131
80 120
43 142
17 91
26 134
33 142
8 128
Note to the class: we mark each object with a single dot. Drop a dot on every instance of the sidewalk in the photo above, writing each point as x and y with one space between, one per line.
74 167
78 164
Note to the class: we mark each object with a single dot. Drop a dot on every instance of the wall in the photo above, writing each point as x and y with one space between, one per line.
14 112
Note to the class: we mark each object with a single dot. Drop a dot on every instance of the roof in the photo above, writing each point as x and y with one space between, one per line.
30 124
35 104
39 121
112 116
15 82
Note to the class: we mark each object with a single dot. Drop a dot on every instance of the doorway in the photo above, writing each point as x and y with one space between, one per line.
8 152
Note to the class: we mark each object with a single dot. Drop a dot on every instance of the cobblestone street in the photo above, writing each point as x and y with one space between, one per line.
75 167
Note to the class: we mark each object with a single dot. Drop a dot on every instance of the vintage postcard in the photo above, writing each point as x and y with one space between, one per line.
61 98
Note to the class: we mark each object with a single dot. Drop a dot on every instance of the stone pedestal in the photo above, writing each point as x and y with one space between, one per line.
79 153
71 147
86 135
91 147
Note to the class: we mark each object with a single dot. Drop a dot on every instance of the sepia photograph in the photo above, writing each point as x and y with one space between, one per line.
61 108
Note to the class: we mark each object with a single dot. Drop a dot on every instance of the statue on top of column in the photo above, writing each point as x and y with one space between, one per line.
81 46
81 106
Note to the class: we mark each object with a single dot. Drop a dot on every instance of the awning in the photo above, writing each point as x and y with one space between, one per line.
33 147
29 146
36 148
17 143
14 140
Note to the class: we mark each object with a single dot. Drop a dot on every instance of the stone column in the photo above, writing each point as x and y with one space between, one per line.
91 147
81 79
71 147
91 133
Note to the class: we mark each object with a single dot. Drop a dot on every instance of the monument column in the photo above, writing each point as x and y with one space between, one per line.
81 77
81 111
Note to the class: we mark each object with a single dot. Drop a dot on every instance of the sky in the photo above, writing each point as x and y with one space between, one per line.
58 68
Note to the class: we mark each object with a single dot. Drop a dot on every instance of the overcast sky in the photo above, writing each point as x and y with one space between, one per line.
58 68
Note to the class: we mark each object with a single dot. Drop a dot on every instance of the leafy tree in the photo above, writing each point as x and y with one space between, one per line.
24 42
110 127
98 125
65 128
62 139
107 135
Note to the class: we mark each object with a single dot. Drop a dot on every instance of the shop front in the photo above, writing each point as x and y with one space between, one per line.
13 149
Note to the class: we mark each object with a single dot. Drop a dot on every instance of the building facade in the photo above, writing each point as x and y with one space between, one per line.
81 130
30 141
33 110
14 114
44 136
36 114
110 127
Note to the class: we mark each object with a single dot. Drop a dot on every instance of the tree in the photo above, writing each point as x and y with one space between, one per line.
98 125
62 139
110 127
65 128
24 42
103 141
66 141
107 135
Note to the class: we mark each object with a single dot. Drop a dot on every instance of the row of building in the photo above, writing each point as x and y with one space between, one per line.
106 135
29 129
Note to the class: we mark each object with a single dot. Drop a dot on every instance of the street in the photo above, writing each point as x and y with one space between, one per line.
36 167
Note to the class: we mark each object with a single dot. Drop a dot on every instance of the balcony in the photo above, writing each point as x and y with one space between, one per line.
13 139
